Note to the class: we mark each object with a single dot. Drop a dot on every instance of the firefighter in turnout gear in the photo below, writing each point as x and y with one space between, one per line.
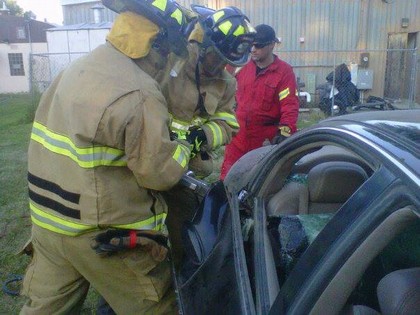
199 91
99 155
201 96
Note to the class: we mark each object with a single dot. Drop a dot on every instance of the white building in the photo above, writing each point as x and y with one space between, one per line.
18 39
69 42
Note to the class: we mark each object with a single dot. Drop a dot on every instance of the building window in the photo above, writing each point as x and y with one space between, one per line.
20 33
16 64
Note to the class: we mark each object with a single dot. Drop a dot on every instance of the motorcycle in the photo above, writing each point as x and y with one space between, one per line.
338 93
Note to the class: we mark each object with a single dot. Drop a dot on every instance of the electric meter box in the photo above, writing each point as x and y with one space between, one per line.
364 79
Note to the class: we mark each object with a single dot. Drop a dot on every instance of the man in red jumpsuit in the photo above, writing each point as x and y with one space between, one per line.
267 104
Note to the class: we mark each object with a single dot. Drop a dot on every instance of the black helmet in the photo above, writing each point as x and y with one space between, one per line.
229 31
167 14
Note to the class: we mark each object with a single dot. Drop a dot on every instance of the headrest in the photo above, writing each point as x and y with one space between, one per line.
334 182
399 292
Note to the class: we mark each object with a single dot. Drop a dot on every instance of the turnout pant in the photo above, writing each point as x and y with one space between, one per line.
58 278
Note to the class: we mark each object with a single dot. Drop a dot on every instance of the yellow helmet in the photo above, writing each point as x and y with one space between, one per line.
167 14
229 31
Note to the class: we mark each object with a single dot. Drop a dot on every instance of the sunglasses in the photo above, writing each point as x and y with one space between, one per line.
261 45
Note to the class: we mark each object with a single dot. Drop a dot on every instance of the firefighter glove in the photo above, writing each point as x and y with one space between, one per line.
178 134
196 137
283 133
116 240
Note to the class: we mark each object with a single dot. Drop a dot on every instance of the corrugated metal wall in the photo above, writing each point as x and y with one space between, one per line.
318 34
323 24
83 13
328 24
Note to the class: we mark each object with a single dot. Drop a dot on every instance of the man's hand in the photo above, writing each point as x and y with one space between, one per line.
115 240
197 138
283 133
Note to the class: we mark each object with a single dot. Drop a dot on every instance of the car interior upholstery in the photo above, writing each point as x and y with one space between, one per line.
328 186
398 293
318 185
325 154
392 246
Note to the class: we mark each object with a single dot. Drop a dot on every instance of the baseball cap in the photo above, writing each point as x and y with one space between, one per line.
265 35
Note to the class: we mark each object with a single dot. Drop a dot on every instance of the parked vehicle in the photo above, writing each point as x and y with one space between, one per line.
338 93
328 221
374 103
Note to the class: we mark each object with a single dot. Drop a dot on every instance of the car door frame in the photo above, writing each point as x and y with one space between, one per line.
379 183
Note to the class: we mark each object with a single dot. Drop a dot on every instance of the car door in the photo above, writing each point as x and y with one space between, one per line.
386 200
214 277
328 274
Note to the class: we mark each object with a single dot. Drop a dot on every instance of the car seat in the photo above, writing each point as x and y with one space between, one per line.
328 186
399 292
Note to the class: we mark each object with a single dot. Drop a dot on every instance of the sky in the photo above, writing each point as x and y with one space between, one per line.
44 9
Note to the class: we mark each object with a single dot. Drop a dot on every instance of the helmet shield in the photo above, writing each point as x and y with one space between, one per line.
229 31
167 14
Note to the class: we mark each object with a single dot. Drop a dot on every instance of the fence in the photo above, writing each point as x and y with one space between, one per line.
393 73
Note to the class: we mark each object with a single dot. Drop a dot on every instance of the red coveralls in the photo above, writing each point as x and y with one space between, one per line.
264 102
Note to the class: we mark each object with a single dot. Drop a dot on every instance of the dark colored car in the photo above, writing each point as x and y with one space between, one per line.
327 222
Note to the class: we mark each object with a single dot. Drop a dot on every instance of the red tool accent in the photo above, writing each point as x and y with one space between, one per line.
133 239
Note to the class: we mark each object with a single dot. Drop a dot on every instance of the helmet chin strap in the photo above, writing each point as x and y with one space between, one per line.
200 102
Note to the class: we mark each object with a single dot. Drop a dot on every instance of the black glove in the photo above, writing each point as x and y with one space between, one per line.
282 134
116 240
110 241
196 137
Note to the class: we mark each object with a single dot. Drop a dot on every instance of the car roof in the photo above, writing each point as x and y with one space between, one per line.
402 125
409 116
396 131
378 119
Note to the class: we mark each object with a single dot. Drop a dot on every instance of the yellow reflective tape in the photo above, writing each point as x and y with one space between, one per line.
181 155
185 126
218 15
52 228
85 157
283 94
153 223
217 134
186 151
67 140
239 30
160 4
229 118
180 125
58 224
198 121
177 15
225 27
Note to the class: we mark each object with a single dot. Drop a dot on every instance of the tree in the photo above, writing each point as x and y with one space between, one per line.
29 15
14 8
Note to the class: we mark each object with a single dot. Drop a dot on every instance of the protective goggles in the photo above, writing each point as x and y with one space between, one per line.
261 45
236 51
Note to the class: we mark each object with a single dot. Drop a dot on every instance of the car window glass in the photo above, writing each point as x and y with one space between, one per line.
318 184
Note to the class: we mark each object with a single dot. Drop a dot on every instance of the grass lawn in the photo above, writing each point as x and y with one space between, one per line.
16 113
15 126
15 224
